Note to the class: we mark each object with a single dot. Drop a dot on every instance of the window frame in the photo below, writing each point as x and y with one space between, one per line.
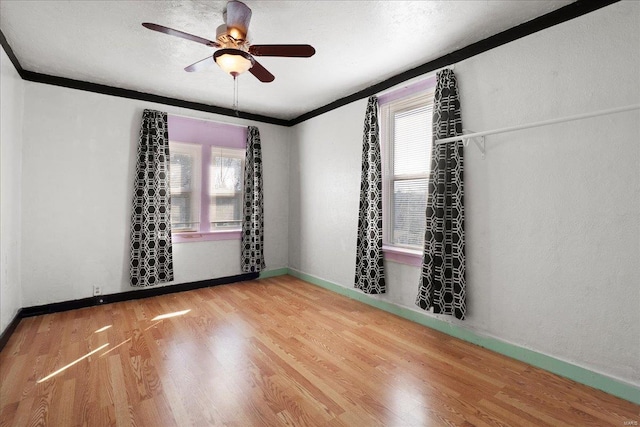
195 151
206 135
226 152
408 100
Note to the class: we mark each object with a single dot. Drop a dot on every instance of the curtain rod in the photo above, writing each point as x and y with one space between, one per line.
207 120
414 81
537 124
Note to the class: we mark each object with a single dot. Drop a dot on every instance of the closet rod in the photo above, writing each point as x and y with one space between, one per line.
536 124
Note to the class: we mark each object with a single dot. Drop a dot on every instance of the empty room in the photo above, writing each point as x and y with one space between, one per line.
320 213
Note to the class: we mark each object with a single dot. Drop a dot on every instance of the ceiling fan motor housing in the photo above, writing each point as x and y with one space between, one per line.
237 17
226 41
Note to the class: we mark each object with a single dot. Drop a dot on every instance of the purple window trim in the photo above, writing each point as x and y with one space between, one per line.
407 90
402 255
206 134
395 253
192 236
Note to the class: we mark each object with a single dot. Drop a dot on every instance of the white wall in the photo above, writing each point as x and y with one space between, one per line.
552 214
78 162
12 89
325 188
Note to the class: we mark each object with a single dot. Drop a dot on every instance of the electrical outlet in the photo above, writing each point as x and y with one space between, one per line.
97 290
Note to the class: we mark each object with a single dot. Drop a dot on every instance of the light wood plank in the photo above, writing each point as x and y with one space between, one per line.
277 351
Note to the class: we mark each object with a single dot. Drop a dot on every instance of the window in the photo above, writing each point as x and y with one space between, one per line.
406 138
184 168
206 175
225 188
209 201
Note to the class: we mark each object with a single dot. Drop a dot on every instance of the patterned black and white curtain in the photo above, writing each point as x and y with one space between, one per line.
252 259
369 257
442 281
151 260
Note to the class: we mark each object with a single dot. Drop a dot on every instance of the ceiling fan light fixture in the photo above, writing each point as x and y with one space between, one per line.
233 61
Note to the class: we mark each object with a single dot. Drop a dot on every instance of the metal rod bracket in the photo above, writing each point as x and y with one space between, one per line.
478 140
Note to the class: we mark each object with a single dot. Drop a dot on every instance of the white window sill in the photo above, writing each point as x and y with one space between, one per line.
191 236
402 255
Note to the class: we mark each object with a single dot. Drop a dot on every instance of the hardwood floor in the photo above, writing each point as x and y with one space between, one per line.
276 351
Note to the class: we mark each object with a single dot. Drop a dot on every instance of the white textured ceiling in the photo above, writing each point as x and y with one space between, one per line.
358 44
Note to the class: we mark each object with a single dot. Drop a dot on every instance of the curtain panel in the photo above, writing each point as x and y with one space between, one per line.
442 280
151 260
252 258
369 257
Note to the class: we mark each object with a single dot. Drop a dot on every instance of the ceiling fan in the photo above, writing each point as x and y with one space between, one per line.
236 54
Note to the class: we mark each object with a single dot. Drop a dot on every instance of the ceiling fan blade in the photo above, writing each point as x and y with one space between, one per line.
261 73
204 64
237 16
287 50
181 34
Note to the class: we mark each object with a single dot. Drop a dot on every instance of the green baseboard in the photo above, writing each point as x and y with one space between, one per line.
273 273
548 363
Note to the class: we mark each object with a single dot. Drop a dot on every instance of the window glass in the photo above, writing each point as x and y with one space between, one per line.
406 136
225 188
185 187
409 207
412 137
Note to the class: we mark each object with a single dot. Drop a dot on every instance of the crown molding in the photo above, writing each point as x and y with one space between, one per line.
558 16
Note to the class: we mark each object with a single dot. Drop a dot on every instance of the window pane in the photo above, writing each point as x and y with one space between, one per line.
226 175
181 172
181 218
409 209
225 188
184 174
226 211
412 141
